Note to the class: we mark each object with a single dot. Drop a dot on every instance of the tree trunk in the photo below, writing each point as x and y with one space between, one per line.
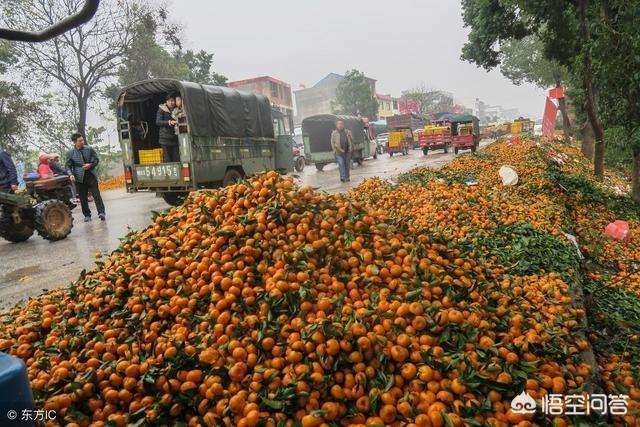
566 124
588 140
82 115
590 104
635 186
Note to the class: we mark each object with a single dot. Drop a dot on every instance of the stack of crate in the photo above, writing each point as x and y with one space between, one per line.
150 157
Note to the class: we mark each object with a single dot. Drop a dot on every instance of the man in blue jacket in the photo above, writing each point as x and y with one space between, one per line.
81 164
8 174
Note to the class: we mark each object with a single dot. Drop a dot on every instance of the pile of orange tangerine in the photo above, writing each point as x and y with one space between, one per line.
265 303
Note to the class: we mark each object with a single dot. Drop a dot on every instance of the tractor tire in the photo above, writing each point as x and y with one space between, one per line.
174 198
15 233
231 177
319 166
53 220
299 164
425 150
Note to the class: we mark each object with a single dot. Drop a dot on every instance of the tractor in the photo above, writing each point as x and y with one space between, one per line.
45 206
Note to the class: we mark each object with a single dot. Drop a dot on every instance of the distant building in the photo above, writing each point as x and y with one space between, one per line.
387 106
317 99
278 92
494 113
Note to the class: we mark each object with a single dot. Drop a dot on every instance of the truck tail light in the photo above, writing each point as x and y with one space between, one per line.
186 172
128 175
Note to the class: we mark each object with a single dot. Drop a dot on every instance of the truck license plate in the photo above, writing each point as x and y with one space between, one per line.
163 172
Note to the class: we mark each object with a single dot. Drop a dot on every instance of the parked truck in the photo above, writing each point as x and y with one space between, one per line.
316 134
437 135
223 136
465 132
404 121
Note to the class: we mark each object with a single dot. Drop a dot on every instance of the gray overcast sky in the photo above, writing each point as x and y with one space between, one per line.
400 43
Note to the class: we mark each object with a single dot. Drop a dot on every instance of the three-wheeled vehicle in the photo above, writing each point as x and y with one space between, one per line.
316 134
436 136
465 132
223 136
400 140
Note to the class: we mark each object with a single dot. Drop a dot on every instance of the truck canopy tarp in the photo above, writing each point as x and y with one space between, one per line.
210 110
457 119
319 129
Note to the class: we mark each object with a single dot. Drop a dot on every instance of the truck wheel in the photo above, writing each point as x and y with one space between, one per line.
231 177
299 164
53 220
15 232
174 198
456 150
320 166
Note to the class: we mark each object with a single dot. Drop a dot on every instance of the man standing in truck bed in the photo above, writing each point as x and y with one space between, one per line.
167 134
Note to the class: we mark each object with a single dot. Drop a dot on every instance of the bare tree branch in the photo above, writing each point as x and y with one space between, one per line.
80 60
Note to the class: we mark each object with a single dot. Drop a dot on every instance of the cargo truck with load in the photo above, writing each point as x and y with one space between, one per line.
465 132
404 121
436 136
316 134
223 136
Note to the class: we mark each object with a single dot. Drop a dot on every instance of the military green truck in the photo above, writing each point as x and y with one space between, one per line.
224 135
316 134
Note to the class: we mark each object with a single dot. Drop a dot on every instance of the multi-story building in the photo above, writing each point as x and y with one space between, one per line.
387 106
278 92
317 98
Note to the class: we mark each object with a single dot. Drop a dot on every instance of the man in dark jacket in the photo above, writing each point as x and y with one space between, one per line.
342 145
8 174
167 135
81 163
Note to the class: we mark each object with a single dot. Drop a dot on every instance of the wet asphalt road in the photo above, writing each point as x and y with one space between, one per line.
28 268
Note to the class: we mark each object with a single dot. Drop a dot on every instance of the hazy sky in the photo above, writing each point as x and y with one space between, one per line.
400 43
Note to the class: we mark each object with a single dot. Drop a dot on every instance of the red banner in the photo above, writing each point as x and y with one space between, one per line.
407 107
549 119
557 92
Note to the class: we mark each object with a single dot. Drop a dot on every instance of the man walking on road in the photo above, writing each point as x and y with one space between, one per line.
8 173
342 145
81 163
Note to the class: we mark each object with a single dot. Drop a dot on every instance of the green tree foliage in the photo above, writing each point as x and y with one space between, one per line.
564 29
431 101
16 110
523 61
157 52
354 96
616 73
